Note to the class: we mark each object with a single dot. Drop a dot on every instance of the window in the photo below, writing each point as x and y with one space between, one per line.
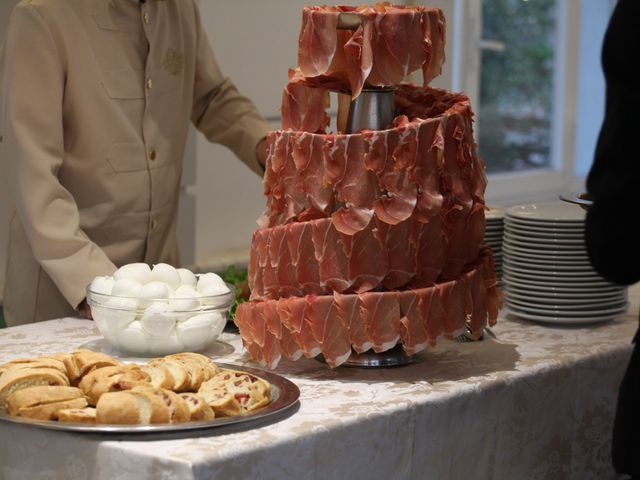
531 71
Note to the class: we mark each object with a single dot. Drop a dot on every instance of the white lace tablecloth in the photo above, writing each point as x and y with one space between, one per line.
537 402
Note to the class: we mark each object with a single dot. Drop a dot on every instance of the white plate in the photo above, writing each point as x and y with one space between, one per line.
549 225
577 307
577 243
568 313
550 267
576 249
557 212
553 320
549 255
550 298
562 288
494 212
526 274
554 234
554 281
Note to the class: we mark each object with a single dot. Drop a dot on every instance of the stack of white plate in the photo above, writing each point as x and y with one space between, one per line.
547 274
494 229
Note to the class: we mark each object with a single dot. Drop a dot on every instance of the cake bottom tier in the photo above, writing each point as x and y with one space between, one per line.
334 325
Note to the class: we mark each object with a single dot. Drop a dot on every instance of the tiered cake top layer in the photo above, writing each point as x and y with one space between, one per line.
389 43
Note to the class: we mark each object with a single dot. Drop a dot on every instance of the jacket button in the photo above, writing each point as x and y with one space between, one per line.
149 83
152 154
145 17
154 224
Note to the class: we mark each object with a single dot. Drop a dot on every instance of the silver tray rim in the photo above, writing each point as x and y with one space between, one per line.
285 396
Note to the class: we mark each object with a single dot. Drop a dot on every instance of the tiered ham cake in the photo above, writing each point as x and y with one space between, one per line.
375 237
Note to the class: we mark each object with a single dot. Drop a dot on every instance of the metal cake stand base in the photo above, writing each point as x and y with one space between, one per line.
396 357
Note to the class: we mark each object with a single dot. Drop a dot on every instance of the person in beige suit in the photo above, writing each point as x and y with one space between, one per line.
97 97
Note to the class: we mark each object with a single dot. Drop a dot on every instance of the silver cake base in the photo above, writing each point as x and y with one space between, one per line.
396 357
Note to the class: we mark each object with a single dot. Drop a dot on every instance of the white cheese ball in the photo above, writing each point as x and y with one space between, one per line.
198 331
185 298
163 272
158 320
140 272
212 284
187 277
165 345
126 287
134 339
155 290
102 285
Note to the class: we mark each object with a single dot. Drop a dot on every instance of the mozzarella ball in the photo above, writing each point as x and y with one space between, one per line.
185 298
198 331
187 277
126 287
102 285
158 320
165 345
163 272
140 272
210 282
153 291
134 339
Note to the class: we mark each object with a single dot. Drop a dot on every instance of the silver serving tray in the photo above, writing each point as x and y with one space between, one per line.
284 396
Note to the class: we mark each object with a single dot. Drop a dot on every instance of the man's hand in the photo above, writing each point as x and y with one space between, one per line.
261 152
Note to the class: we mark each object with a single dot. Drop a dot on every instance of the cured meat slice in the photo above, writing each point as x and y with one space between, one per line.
321 314
331 256
355 190
348 311
318 41
430 305
412 330
454 307
428 170
431 246
400 247
309 160
381 314
304 107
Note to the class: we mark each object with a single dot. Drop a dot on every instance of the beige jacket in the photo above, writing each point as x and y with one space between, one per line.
97 96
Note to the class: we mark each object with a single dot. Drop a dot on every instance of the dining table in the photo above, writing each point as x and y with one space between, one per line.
530 400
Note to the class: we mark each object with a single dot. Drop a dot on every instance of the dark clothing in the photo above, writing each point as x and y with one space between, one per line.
613 221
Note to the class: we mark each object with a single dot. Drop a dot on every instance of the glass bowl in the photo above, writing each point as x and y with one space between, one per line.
146 327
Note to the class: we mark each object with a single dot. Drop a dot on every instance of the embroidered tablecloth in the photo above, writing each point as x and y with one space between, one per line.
535 402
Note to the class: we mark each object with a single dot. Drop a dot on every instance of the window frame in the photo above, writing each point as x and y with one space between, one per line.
463 74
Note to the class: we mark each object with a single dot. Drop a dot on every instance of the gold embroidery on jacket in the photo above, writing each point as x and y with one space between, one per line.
173 61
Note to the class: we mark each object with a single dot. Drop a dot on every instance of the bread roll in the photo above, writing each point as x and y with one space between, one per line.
77 415
181 376
130 408
208 365
81 362
160 376
198 408
221 401
41 395
15 379
112 379
178 408
250 391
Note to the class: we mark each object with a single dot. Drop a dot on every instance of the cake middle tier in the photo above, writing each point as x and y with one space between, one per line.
313 257
423 165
